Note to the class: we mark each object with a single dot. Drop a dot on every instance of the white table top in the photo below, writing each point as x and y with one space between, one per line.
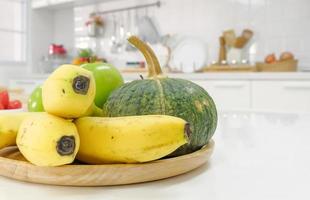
257 157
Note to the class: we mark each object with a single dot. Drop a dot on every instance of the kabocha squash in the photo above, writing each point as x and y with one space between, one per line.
169 96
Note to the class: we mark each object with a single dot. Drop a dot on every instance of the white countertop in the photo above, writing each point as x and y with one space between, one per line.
233 76
207 76
258 156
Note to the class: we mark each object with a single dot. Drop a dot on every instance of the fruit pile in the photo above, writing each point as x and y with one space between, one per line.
285 56
90 115
86 56
6 104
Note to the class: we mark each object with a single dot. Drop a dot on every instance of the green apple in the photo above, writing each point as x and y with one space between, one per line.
107 79
35 100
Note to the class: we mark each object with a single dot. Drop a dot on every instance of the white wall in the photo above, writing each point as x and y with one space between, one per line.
64 28
46 27
50 26
10 44
279 25
41 35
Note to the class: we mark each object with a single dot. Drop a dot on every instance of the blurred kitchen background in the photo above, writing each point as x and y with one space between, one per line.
248 54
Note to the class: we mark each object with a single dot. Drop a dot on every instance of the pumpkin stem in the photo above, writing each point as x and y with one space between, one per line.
149 55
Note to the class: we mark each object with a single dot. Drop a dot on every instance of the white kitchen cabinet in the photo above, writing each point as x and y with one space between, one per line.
275 95
207 85
228 94
281 95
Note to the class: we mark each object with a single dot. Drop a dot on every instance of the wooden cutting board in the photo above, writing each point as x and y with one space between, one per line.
13 165
228 68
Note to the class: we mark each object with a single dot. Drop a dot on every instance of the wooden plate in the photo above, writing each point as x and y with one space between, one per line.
13 165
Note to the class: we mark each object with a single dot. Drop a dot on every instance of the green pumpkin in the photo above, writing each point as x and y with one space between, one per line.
168 96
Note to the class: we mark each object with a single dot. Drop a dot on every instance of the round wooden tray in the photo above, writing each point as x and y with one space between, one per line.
13 165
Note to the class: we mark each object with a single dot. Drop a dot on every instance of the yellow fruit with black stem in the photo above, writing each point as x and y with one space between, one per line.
69 92
9 125
131 139
48 140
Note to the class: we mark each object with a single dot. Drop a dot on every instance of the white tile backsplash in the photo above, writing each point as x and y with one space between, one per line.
278 25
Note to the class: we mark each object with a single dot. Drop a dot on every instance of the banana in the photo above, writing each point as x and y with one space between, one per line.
9 125
131 139
47 140
69 91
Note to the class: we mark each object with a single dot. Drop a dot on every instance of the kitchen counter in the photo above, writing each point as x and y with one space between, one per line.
207 76
233 76
229 90
257 156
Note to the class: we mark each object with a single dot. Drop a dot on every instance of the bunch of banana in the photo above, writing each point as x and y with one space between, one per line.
66 130
52 139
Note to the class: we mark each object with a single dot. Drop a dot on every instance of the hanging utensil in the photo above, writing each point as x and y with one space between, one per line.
122 34
148 31
128 24
121 28
114 36
130 31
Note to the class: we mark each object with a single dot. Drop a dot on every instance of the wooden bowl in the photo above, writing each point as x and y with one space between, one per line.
13 165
